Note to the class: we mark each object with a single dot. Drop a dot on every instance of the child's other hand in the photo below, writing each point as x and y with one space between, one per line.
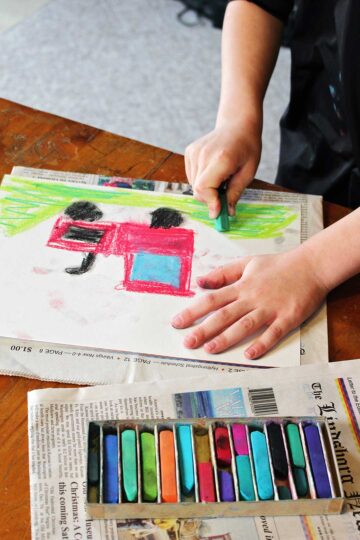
227 151
274 292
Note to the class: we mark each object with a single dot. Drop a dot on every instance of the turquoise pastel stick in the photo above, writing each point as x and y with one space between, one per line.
261 465
129 465
245 479
186 463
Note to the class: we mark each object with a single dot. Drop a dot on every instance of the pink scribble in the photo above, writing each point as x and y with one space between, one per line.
130 240
56 303
41 271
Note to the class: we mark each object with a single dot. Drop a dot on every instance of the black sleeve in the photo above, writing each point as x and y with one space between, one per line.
279 8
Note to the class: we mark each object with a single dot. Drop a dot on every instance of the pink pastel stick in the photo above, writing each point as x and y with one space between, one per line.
240 440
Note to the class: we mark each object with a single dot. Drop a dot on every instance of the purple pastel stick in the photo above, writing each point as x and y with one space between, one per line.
240 440
317 462
226 486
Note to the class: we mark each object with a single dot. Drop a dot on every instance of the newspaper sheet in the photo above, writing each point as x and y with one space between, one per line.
57 448
58 363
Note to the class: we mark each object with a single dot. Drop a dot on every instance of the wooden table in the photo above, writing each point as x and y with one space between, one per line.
37 139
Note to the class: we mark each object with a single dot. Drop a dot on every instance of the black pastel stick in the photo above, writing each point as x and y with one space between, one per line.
277 449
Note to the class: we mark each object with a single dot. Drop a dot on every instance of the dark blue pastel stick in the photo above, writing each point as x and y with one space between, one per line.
186 463
226 486
111 475
317 462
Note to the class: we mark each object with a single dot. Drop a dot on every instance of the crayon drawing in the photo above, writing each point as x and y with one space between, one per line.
157 256
106 268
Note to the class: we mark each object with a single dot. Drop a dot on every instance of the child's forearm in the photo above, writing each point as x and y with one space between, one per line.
334 253
250 45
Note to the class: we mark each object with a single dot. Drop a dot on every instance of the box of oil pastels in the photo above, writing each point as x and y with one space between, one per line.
212 468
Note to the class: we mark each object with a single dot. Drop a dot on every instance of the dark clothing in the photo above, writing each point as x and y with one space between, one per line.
320 130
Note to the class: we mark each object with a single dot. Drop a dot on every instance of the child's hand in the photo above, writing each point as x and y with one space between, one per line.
227 151
277 292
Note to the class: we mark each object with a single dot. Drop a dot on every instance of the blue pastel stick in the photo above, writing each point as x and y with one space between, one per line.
186 463
261 465
245 479
317 462
226 486
111 475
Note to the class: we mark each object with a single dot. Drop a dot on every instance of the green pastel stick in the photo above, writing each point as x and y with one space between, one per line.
301 482
296 449
284 493
222 221
128 464
148 467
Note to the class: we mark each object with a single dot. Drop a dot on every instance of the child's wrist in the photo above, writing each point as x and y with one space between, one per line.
242 122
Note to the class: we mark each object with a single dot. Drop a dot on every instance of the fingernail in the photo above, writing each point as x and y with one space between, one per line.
201 281
210 347
177 321
250 352
190 341
231 209
212 213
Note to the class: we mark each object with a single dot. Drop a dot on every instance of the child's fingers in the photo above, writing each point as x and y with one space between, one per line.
224 275
209 180
238 182
187 162
191 162
267 340
215 324
244 327
203 306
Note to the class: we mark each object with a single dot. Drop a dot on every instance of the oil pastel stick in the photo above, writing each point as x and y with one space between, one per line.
94 455
129 464
222 446
186 462
204 467
261 465
167 466
223 462
222 221
110 473
226 485
242 460
279 460
317 462
148 467
297 458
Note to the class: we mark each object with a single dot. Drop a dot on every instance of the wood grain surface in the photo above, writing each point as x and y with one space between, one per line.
38 139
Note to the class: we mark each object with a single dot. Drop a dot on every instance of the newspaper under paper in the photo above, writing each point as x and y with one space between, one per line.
60 363
57 448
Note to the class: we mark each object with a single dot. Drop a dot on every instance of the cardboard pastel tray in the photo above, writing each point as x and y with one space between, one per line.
226 467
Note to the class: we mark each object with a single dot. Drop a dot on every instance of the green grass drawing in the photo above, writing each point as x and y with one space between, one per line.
24 203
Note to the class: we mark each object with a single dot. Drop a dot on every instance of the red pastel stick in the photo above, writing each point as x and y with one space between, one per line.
206 482
222 446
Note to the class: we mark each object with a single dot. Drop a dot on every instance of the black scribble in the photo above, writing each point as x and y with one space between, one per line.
165 218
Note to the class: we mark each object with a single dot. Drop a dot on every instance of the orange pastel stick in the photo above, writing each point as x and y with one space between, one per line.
167 466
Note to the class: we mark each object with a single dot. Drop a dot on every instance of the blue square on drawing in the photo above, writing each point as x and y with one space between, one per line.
157 268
